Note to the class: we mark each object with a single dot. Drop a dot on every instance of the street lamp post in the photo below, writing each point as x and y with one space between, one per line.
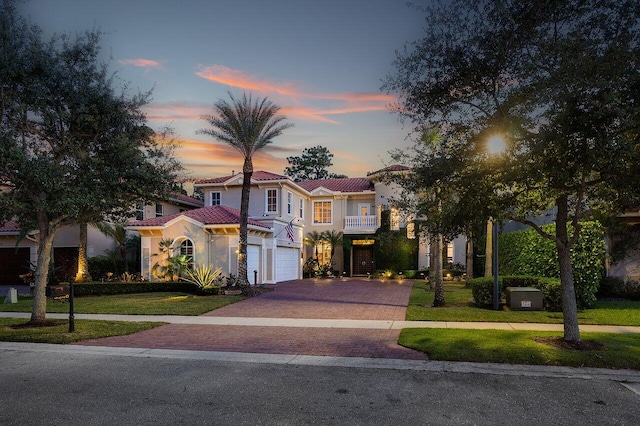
496 145
494 260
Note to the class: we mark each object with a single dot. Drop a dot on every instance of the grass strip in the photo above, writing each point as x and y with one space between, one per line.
460 307
523 347
57 331
132 304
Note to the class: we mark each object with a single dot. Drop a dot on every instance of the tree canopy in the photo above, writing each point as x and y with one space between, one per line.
559 81
311 165
72 148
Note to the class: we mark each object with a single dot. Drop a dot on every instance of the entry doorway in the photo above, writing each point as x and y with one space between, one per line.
363 262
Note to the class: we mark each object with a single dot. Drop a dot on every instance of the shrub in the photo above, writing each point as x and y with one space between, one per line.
105 288
528 253
203 276
619 288
482 289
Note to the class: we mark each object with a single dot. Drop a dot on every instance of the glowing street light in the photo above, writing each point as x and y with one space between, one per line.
496 145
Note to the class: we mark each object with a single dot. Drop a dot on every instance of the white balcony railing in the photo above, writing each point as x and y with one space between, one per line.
355 223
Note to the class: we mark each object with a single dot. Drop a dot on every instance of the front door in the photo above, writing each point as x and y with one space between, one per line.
363 260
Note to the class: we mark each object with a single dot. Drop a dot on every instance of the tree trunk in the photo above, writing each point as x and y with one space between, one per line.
438 299
82 274
45 245
569 305
488 252
432 261
469 262
247 171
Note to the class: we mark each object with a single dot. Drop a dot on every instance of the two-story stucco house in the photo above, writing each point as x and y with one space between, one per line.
282 212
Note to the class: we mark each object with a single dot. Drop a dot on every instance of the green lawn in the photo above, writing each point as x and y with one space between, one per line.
57 331
133 304
460 308
521 347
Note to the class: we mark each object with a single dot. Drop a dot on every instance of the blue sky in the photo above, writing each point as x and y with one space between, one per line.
323 62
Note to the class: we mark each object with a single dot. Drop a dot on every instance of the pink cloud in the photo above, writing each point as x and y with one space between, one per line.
295 93
141 63
244 80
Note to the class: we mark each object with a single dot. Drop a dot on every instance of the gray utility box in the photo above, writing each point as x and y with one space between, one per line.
524 299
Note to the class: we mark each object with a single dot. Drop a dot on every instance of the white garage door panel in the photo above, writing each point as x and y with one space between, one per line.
287 263
253 262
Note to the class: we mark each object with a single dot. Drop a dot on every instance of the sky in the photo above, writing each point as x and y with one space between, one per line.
322 61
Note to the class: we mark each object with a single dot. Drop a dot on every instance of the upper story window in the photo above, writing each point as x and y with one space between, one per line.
139 210
301 209
289 203
216 199
159 210
272 201
322 212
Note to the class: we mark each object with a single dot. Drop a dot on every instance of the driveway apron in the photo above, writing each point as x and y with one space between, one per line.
350 299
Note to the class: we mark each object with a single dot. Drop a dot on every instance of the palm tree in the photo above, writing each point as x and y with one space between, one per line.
313 239
82 274
334 239
247 126
118 232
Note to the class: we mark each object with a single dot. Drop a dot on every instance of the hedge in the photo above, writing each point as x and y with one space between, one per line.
482 289
106 288
528 253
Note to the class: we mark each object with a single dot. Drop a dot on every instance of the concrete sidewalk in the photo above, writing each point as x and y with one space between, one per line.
332 323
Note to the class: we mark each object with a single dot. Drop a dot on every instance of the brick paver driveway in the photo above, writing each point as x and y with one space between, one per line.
327 299
304 299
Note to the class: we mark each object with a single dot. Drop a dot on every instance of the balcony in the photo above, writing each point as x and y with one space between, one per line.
360 224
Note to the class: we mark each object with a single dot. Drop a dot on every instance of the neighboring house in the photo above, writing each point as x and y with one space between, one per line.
352 206
627 268
16 257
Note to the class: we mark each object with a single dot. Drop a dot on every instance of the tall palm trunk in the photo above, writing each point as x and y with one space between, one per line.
247 171
488 271
469 261
83 264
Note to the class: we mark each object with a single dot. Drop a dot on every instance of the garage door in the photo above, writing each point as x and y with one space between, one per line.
253 263
287 263
13 264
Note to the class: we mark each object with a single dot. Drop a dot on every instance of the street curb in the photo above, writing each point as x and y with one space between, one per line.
624 376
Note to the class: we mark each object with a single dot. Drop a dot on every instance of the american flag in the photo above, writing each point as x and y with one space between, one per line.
289 229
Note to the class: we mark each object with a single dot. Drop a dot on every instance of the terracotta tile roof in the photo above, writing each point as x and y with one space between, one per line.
210 215
393 168
10 226
258 175
338 185
185 199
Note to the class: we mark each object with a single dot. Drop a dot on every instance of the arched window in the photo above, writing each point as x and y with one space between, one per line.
186 249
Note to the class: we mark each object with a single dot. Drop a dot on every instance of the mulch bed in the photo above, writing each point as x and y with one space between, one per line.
560 343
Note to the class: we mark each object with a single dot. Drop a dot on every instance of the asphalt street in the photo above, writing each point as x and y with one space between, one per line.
73 386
